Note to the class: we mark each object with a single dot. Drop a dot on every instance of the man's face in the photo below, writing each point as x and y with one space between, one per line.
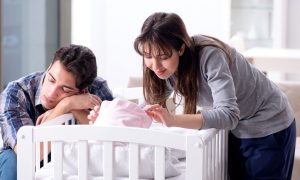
58 84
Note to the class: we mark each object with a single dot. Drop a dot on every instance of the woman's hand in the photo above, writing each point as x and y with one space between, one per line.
160 114
94 114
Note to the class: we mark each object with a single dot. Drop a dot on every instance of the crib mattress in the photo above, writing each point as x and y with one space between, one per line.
46 174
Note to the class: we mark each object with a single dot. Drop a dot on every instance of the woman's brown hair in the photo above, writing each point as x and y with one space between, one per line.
165 32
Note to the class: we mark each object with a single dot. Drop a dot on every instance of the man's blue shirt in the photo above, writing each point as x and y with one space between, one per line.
20 104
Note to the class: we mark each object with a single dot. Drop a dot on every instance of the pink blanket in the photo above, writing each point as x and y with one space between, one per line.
121 112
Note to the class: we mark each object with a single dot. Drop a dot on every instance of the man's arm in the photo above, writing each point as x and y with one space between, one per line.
16 111
77 104
81 116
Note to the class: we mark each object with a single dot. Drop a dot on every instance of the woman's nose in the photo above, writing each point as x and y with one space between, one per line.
155 64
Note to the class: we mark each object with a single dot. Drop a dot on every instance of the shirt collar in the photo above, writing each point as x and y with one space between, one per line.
38 92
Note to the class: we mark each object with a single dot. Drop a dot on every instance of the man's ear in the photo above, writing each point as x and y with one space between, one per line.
181 50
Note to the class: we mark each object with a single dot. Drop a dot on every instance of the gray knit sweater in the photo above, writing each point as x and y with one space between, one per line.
241 98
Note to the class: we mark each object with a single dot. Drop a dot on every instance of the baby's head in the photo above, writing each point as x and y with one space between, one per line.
121 112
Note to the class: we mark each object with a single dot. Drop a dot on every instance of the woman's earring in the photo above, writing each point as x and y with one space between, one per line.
181 50
180 53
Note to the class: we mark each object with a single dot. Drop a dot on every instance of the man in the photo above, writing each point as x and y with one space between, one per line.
68 85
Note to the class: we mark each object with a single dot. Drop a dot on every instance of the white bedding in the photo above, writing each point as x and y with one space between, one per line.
174 160
146 161
174 167
46 174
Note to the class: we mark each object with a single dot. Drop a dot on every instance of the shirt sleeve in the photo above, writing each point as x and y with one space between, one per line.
14 114
101 89
216 71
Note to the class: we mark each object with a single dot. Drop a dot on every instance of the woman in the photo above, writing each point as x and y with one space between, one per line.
206 72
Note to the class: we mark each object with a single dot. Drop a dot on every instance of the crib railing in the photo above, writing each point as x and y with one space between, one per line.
206 155
42 148
209 153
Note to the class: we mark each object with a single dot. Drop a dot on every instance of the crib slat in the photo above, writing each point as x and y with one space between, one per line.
108 156
45 152
83 160
133 161
72 122
159 163
37 157
57 156
205 162
210 169
218 155
222 137
214 156
201 157
225 143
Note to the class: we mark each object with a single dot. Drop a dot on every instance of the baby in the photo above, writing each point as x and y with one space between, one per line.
120 112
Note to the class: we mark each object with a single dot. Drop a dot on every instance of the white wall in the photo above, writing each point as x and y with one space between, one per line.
109 28
293 25
293 30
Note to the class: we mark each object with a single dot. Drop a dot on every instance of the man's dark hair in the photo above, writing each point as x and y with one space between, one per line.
80 61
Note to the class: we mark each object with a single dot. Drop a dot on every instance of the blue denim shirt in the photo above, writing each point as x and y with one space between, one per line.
20 104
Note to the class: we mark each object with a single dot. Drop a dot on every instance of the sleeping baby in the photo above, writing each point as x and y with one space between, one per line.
120 112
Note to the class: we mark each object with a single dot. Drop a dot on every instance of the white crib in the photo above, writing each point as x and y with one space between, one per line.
206 151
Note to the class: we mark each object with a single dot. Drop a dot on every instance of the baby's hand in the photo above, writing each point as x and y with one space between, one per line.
94 114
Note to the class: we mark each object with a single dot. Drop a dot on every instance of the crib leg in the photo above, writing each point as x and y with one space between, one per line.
194 156
25 160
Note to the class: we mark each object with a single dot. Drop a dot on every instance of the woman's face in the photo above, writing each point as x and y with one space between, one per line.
161 64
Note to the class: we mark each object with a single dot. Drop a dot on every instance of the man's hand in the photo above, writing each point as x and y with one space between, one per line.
75 103
16 149
81 101
43 118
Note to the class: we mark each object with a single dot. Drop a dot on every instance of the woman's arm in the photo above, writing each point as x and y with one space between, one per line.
160 114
